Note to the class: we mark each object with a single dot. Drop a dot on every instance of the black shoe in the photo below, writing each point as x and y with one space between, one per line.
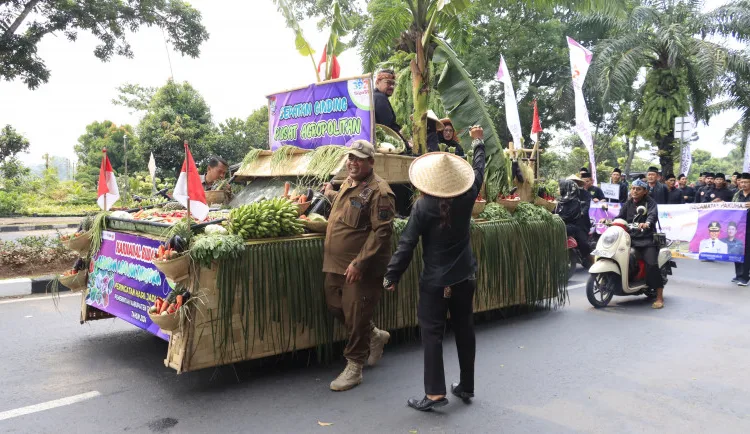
426 404
735 280
457 390
742 282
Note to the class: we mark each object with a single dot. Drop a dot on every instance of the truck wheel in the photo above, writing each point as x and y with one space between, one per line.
600 288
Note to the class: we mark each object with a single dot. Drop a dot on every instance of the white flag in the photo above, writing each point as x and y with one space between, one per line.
686 159
746 166
511 107
580 60
152 167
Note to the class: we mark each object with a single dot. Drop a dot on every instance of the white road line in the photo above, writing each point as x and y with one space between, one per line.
48 405
580 285
46 297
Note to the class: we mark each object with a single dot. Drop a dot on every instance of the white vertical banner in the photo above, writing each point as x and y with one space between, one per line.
746 165
511 107
686 159
580 60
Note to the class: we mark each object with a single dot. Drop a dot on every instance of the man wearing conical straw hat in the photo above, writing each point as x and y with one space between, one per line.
356 252
442 218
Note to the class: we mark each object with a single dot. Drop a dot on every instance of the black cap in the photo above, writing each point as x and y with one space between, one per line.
736 174
732 225
585 175
714 227
720 176
745 175
670 176
617 170
641 176
653 169
682 175
709 175
583 169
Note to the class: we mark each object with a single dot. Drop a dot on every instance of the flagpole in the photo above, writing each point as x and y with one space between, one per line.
187 179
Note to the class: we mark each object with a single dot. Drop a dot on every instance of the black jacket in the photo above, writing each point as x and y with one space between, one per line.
596 193
659 193
624 190
724 194
446 253
674 197
454 144
703 193
384 114
688 194
640 238
584 222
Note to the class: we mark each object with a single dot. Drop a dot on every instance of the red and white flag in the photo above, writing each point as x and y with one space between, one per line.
189 188
335 68
107 185
536 126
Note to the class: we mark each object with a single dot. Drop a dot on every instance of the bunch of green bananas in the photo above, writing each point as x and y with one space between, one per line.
172 206
266 219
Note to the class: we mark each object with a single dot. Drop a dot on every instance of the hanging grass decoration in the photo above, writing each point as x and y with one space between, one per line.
324 160
250 158
282 156
98 226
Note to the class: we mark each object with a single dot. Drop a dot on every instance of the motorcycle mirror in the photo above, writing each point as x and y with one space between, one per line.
641 210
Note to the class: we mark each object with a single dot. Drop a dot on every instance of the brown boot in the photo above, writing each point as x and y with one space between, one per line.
349 378
378 339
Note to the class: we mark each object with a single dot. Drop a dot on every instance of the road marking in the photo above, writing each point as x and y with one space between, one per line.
46 297
580 285
48 405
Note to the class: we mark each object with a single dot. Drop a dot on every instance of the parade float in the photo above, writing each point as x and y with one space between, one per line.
246 281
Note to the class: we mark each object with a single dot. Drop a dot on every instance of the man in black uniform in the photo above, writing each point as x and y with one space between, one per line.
688 192
385 84
732 186
742 269
616 178
596 193
720 192
701 181
674 194
656 190
584 221
703 192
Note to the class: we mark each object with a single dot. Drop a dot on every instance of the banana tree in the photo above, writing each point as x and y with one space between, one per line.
303 47
339 27
414 25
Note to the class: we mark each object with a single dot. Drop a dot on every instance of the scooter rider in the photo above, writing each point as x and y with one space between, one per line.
569 210
643 240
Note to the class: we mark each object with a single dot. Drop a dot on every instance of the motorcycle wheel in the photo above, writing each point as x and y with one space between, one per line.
573 259
600 288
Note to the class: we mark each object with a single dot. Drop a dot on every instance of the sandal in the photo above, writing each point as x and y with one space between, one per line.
658 305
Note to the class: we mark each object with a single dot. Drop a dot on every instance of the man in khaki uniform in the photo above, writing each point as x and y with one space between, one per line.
356 254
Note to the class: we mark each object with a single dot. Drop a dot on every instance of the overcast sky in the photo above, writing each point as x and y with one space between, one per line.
250 53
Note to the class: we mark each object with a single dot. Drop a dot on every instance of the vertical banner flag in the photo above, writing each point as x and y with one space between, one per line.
108 192
536 126
189 188
152 171
686 159
511 107
580 60
746 165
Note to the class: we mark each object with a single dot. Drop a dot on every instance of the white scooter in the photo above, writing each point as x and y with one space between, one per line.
617 270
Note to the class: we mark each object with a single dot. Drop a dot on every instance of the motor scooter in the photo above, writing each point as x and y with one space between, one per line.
617 269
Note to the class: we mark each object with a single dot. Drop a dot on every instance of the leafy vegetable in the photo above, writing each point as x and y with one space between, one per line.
495 211
216 247
527 212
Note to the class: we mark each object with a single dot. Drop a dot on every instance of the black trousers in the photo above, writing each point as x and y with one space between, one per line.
650 256
742 269
432 310
582 238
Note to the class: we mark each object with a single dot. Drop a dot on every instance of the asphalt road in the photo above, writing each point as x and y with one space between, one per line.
623 369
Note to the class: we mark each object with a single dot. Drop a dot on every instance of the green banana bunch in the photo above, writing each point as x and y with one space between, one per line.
270 218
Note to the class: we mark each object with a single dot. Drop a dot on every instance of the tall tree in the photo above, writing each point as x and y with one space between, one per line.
106 134
235 137
23 24
11 143
176 112
683 68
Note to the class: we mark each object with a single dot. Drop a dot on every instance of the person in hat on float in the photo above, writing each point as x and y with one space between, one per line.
720 192
688 192
616 178
441 217
450 137
742 269
674 194
713 244
702 193
656 189
434 131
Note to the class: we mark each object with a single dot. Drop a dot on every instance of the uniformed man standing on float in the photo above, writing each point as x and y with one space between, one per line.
356 254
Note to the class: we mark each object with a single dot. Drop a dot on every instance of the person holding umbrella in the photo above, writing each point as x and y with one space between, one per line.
442 219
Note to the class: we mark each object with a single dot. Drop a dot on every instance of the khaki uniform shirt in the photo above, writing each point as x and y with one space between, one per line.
359 227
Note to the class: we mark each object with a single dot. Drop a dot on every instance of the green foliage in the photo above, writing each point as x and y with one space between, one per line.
36 250
235 137
495 211
216 247
11 143
665 97
303 46
101 135
528 212
107 20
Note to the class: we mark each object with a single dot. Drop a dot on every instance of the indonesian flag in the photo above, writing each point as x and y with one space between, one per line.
536 126
107 185
335 68
189 188
511 107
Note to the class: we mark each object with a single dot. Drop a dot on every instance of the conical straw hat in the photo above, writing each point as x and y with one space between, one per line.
441 174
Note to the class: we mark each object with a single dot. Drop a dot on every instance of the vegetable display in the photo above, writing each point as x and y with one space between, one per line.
216 247
495 211
174 301
526 212
265 219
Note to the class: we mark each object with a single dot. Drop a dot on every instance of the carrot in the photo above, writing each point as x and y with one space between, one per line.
158 304
179 301
302 199
294 198
164 307
172 309
287 186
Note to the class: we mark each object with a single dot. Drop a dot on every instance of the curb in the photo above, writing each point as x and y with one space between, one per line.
27 286
37 227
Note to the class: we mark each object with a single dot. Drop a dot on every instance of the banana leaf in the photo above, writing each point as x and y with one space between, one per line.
465 107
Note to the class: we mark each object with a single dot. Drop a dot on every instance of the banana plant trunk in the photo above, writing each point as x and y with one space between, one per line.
420 81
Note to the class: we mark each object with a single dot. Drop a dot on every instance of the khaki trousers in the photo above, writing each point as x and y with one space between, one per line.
354 305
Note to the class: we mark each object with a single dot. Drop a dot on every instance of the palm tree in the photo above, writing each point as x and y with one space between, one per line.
412 26
672 41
